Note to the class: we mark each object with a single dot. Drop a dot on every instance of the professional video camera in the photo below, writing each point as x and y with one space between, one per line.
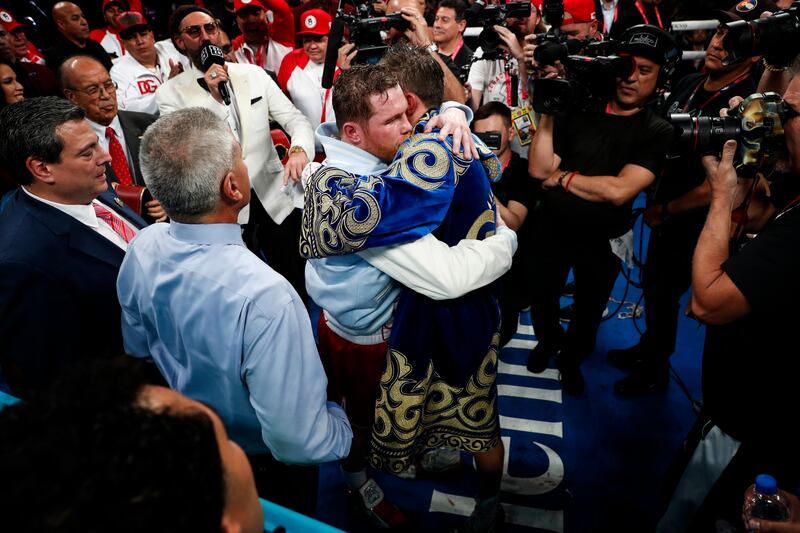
776 37
756 124
555 46
365 32
489 16
590 84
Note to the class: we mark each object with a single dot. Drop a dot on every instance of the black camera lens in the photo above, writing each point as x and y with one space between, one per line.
777 36
703 134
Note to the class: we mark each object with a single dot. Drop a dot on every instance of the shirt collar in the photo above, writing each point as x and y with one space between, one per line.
100 130
341 154
83 213
207 233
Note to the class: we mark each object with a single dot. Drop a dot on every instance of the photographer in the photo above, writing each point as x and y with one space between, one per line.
592 164
676 214
749 378
448 33
500 76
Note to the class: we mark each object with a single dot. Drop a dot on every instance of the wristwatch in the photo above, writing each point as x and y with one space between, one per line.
296 149
561 178
432 47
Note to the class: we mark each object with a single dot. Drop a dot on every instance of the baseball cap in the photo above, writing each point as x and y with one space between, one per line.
129 20
121 3
8 21
241 4
651 42
746 10
315 22
578 11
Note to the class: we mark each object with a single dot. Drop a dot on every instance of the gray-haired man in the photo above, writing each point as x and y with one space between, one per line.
224 328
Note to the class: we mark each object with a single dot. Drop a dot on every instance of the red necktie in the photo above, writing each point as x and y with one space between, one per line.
118 160
113 220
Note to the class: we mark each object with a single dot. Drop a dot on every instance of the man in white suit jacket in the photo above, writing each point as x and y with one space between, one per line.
273 228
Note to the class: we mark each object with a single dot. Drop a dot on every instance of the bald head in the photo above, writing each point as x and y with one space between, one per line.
88 85
396 5
70 22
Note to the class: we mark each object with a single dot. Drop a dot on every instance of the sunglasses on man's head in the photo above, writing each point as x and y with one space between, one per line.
194 31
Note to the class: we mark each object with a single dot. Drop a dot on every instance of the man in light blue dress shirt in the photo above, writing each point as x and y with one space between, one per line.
223 327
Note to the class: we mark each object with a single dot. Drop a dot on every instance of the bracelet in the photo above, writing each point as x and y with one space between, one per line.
771 68
569 180
561 178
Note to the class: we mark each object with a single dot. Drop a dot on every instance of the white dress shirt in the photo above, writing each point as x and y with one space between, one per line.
115 125
84 213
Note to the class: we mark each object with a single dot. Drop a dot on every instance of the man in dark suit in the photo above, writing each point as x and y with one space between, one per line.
63 235
88 85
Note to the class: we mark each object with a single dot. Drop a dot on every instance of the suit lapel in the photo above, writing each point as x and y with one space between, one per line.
113 201
133 139
241 89
81 237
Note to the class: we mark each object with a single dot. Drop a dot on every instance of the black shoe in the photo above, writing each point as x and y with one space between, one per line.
627 358
571 379
643 380
567 312
539 357
569 290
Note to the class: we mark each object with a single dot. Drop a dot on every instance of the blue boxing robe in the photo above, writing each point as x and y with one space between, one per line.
439 384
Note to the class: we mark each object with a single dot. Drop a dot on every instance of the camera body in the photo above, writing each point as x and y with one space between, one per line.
756 124
777 37
590 83
365 33
492 15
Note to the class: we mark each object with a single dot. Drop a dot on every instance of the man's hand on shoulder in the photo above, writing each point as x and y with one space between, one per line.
453 122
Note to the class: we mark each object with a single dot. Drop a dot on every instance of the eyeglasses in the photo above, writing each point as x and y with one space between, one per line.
194 31
94 90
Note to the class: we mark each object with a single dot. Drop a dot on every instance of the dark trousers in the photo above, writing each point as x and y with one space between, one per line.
666 276
292 486
516 292
277 244
595 269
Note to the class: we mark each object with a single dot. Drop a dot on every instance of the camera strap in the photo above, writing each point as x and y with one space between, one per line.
714 96
513 89
644 17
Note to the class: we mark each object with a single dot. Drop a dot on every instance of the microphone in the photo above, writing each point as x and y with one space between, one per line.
212 55
332 52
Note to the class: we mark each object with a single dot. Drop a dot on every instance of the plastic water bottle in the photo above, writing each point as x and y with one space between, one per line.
767 503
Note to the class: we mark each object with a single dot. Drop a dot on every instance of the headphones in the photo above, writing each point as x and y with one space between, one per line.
665 43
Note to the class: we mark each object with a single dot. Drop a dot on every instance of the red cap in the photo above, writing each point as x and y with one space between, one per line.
8 21
578 11
315 22
128 20
121 3
241 4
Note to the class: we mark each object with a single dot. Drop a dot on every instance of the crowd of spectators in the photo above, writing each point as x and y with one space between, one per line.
178 185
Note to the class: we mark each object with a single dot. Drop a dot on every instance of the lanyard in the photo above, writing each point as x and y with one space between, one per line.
259 54
458 49
616 12
794 203
658 14
509 91
325 106
713 96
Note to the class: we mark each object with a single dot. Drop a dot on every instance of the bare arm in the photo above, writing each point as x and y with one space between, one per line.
617 190
514 214
542 159
715 298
